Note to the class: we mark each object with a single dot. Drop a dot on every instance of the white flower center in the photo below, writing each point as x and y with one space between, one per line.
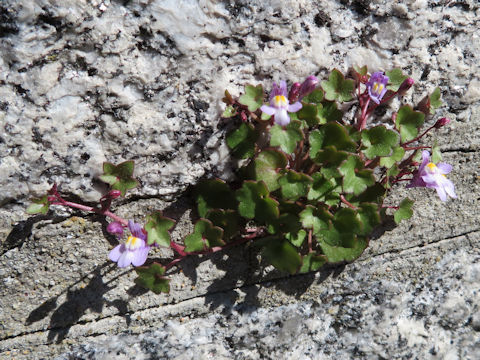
280 101
133 243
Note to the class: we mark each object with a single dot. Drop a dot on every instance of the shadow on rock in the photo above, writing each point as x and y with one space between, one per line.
78 301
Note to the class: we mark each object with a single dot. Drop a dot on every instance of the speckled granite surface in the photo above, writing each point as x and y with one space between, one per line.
82 82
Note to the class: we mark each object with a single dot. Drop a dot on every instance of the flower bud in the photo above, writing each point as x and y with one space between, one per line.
308 86
442 122
113 194
406 84
115 228
294 91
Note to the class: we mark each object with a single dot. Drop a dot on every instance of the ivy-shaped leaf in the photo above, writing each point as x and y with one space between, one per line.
312 262
39 206
228 220
214 194
266 167
119 176
157 227
315 218
435 101
329 112
369 216
242 141
151 277
324 189
337 87
395 79
229 112
253 97
330 159
408 122
294 185
351 250
255 202
330 134
404 211
283 255
309 113
204 236
315 97
355 178
379 141
396 156
286 138
373 194
362 71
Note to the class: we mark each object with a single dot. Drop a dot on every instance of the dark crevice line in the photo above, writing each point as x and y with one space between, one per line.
461 150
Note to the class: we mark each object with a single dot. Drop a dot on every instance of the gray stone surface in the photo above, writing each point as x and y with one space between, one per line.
82 82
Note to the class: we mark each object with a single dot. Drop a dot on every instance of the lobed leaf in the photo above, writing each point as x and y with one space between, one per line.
312 262
227 220
283 255
214 194
396 156
287 138
255 202
253 97
408 122
315 97
265 167
337 87
150 277
229 112
435 101
204 236
404 211
119 176
242 141
157 227
39 206
355 178
294 185
379 141
395 79
349 252
316 219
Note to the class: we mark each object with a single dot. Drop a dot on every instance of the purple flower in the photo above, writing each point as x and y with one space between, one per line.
308 86
433 176
134 251
279 104
377 86
115 228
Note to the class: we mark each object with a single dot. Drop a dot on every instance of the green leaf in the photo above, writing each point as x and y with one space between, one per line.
296 238
214 194
362 71
373 194
286 138
436 153
330 134
266 166
337 87
404 211
204 236
355 178
119 176
379 141
347 221
242 141
369 216
396 156
315 218
349 252
253 97
294 185
315 97
229 112
255 202
329 112
283 255
309 113
408 122
325 190
435 101
228 220
157 227
395 79
330 159
150 277
312 262
39 206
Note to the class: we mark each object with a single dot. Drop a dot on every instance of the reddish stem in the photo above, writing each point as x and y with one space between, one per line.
347 203
419 136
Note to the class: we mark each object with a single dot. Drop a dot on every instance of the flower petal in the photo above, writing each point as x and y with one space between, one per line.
116 252
125 259
444 168
441 193
268 109
281 117
294 107
140 256
450 189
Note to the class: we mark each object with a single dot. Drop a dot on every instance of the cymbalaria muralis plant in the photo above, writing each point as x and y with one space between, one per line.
312 184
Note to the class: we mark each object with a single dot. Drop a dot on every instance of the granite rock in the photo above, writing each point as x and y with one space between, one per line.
83 82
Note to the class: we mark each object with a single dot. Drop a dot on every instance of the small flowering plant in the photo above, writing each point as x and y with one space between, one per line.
312 185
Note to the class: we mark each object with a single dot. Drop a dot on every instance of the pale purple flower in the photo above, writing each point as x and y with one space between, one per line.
433 176
134 251
308 86
377 86
279 104
115 228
